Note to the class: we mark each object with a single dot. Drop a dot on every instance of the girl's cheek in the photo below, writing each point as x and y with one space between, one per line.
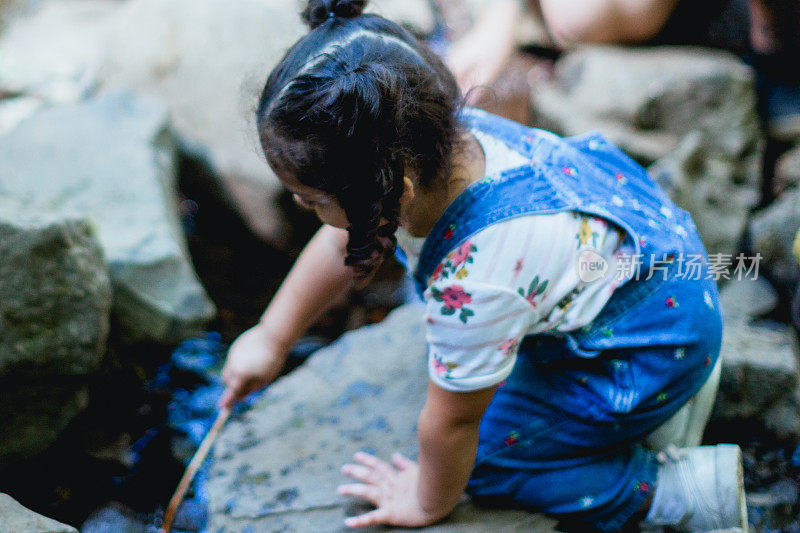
333 216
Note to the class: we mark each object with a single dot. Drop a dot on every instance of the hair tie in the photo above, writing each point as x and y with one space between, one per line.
331 15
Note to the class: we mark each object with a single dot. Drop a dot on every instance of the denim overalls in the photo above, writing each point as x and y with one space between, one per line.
561 434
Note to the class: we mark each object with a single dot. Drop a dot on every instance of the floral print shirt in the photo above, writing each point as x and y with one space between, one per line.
514 278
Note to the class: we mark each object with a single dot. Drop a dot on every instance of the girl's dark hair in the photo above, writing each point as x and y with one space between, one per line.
353 104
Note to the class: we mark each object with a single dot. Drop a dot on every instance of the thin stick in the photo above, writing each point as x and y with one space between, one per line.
191 470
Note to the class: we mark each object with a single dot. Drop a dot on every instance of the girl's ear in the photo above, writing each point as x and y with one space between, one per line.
408 191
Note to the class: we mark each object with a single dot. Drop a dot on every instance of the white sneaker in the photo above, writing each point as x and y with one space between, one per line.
699 489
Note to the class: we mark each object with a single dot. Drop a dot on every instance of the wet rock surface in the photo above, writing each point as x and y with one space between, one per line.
14 518
55 299
277 466
112 160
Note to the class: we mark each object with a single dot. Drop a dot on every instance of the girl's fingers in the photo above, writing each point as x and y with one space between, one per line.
361 473
372 518
401 461
372 462
360 490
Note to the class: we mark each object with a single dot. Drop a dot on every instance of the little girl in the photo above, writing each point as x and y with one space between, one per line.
563 328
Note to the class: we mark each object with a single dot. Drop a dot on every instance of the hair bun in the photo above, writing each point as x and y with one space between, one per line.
318 11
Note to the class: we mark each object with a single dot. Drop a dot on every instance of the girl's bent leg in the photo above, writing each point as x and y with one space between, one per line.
605 486
548 445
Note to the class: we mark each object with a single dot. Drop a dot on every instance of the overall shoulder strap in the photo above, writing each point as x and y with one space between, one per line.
515 192
519 138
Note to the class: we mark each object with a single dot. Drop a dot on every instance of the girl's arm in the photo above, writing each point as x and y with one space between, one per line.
448 441
318 278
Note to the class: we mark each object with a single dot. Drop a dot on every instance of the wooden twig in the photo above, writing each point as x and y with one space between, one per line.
191 470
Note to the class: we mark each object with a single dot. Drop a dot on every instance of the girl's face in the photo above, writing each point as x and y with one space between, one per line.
323 204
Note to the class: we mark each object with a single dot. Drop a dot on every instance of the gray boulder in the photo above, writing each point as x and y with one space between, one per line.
743 299
702 182
209 60
689 111
76 29
112 160
34 412
772 234
787 170
276 468
55 298
647 99
14 518
761 370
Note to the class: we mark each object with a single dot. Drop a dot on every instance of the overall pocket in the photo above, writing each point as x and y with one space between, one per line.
654 312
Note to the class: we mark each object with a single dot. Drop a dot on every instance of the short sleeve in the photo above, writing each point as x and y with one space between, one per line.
473 332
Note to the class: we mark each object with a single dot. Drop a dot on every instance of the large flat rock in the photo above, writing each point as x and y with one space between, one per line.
277 467
112 161
14 518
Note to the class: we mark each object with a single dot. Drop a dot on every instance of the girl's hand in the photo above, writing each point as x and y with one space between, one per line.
393 490
254 361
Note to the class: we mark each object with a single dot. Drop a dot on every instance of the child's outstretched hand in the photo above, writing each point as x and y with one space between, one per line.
392 489
254 361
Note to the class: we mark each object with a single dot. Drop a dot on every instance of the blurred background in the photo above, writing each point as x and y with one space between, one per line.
141 230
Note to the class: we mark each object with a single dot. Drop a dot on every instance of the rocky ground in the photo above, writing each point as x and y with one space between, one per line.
136 212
